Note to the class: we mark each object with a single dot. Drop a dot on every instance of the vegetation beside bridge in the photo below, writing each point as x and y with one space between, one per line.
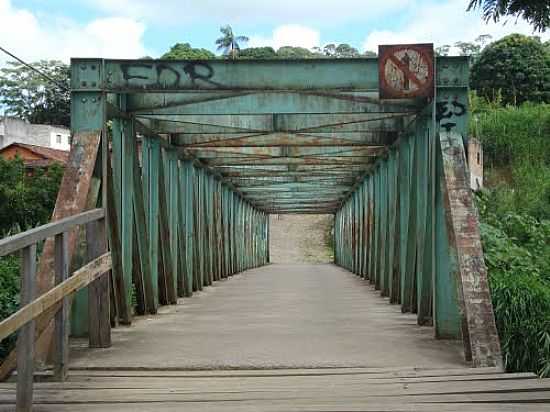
515 215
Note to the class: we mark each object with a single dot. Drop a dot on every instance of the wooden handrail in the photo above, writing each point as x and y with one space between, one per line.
80 279
13 243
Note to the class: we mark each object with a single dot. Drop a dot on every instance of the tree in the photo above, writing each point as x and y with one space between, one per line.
258 53
467 48
443 50
183 51
536 12
369 53
291 52
30 96
516 66
26 201
342 50
229 42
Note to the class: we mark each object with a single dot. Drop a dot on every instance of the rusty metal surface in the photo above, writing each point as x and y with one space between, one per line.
406 71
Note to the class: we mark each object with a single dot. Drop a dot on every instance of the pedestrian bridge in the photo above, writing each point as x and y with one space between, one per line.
158 250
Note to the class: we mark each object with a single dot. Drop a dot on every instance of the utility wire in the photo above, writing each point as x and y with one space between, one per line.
41 73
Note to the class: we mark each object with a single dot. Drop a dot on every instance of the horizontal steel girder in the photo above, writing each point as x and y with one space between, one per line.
268 139
143 76
310 160
229 102
173 75
276 122
283 151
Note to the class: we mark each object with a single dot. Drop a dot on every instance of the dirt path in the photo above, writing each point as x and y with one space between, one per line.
300 239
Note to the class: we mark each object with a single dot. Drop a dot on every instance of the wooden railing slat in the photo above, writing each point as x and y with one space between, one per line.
13 243
80 279
25 340
62 315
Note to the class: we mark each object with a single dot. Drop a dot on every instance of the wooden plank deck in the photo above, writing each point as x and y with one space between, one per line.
326 389
281 338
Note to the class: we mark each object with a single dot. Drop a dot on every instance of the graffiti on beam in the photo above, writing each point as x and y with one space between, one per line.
448 109
165 76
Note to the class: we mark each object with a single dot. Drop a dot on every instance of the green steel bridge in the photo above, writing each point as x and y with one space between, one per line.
174 170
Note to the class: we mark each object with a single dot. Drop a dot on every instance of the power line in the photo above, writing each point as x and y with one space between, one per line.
41 73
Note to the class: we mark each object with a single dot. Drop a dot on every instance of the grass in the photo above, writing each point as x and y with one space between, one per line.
515 215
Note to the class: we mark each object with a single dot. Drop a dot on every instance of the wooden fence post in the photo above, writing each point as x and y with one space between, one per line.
62 316
25 340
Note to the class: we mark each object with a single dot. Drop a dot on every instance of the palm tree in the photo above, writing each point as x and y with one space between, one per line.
229 43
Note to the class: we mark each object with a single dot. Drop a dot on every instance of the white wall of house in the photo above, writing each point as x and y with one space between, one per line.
60 140
14 130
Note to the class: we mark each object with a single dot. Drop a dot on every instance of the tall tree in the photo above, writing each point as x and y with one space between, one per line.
516 67
185 51
536 12
28 95
229 42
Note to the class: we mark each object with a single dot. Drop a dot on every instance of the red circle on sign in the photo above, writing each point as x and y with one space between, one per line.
406 71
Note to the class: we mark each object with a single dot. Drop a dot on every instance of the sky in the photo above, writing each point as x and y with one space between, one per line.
61 29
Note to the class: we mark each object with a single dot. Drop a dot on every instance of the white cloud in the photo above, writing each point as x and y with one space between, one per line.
288 35
445 22
56 38
176 12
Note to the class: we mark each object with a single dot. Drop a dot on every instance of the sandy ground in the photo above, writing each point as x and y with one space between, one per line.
300 239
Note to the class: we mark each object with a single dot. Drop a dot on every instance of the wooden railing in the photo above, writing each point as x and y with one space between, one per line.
32 306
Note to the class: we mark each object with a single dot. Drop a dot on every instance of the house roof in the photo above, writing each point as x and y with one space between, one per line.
47 153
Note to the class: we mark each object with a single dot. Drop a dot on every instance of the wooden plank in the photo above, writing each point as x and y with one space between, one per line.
61 361
25 340
81 278
99 327
21 240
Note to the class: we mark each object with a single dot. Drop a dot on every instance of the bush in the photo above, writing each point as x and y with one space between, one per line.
517 255
517 154
26 201
9 296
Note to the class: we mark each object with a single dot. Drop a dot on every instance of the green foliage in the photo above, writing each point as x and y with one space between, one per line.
342 50
9 296
290 52
258 53
29 96
182 51
515 229
26 201
517 154
517 67
536 12
517 254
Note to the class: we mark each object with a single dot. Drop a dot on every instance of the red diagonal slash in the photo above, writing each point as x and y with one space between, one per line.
405 69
